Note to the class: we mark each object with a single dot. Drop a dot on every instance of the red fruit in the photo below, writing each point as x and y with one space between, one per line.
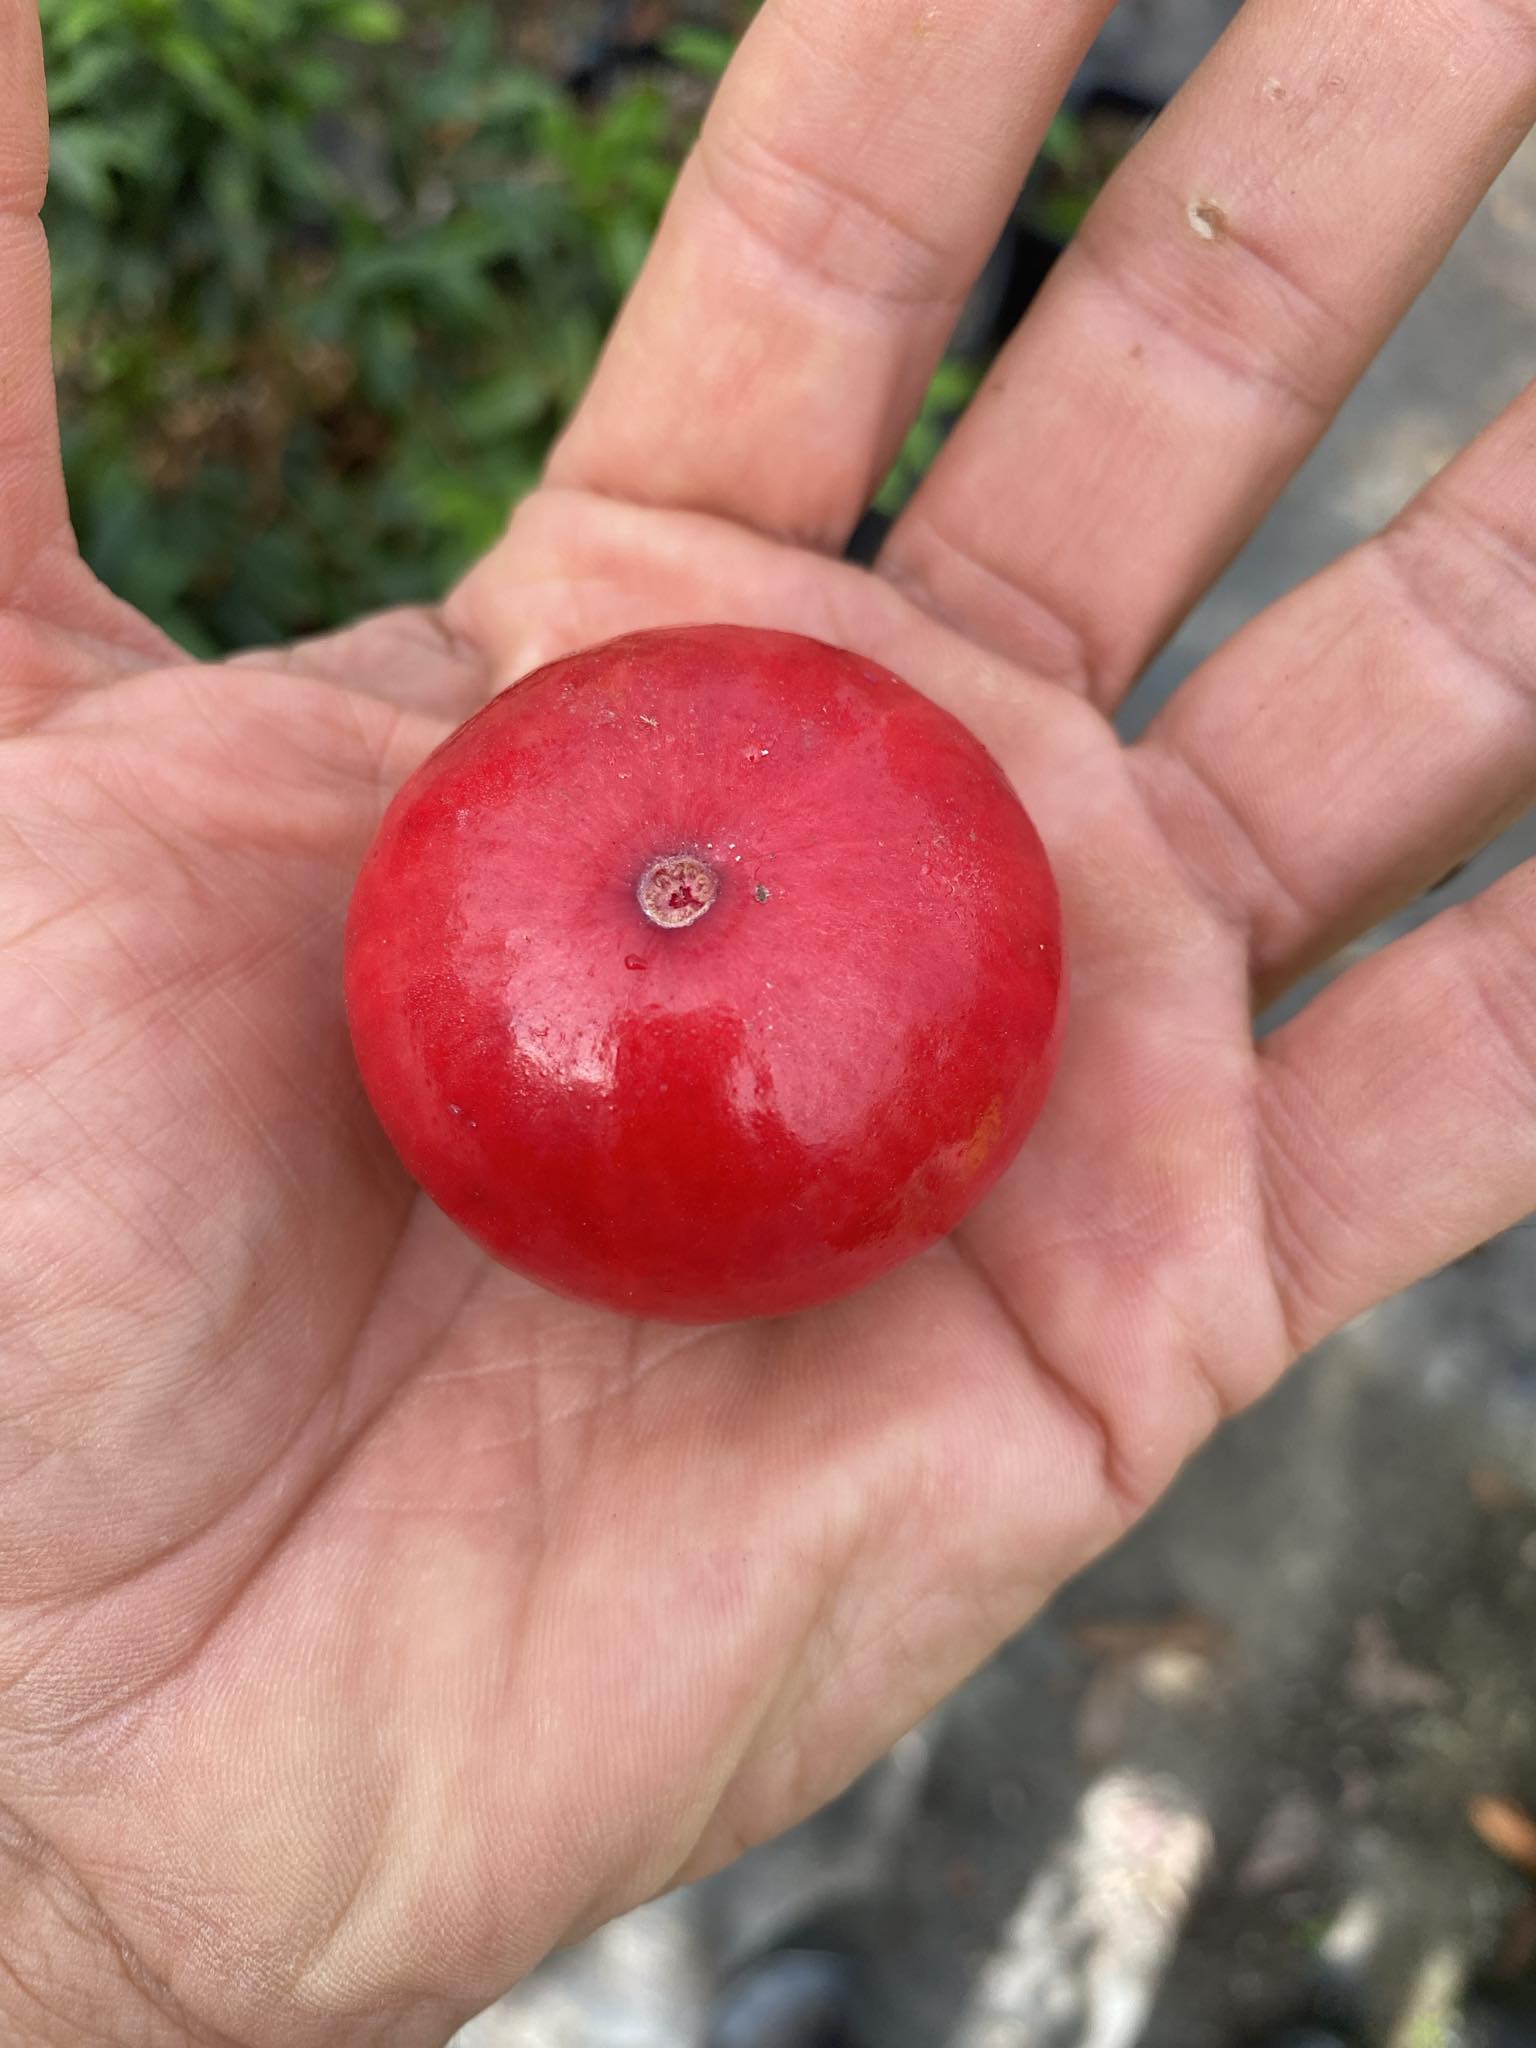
707 974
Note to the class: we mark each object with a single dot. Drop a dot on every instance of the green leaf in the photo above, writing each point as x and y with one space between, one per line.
82 156
504 404
954 384
75 80
1058 215
1066 146
626 244
514 95
371 21
187 60
704 51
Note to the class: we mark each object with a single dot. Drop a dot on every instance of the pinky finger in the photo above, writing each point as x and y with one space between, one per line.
1398 1111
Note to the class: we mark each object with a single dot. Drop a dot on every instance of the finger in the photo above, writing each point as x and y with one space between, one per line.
854 173
32 506
58 628
1232 283
1369 732
1398 1111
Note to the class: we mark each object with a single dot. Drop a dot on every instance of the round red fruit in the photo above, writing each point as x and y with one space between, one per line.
707 974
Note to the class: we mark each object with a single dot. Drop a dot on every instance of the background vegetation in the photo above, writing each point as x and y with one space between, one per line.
329 277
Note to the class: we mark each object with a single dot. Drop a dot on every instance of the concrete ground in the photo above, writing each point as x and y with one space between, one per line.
1274 1760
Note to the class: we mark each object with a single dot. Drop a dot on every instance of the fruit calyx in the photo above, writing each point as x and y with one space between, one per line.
677 890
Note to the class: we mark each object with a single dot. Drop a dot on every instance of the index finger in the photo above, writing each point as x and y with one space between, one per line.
859 163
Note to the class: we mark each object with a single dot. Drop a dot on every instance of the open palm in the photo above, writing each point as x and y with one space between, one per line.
373 1621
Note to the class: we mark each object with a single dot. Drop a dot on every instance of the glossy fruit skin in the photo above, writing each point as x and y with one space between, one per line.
765 1108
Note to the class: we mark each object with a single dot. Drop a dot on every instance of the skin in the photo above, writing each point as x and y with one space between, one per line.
707 1089
371 1620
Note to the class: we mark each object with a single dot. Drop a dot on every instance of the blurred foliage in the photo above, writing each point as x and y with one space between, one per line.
1073 165
327 283
329 277
704 51
954 384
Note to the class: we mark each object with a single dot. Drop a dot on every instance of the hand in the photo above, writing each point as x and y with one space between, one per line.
373 1621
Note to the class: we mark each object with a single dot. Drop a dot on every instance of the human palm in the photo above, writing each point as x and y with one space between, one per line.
373 1620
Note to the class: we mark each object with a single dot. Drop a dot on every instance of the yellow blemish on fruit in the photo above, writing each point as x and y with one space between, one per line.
986 1135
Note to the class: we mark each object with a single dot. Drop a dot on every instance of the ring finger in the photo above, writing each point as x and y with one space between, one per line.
1373 729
